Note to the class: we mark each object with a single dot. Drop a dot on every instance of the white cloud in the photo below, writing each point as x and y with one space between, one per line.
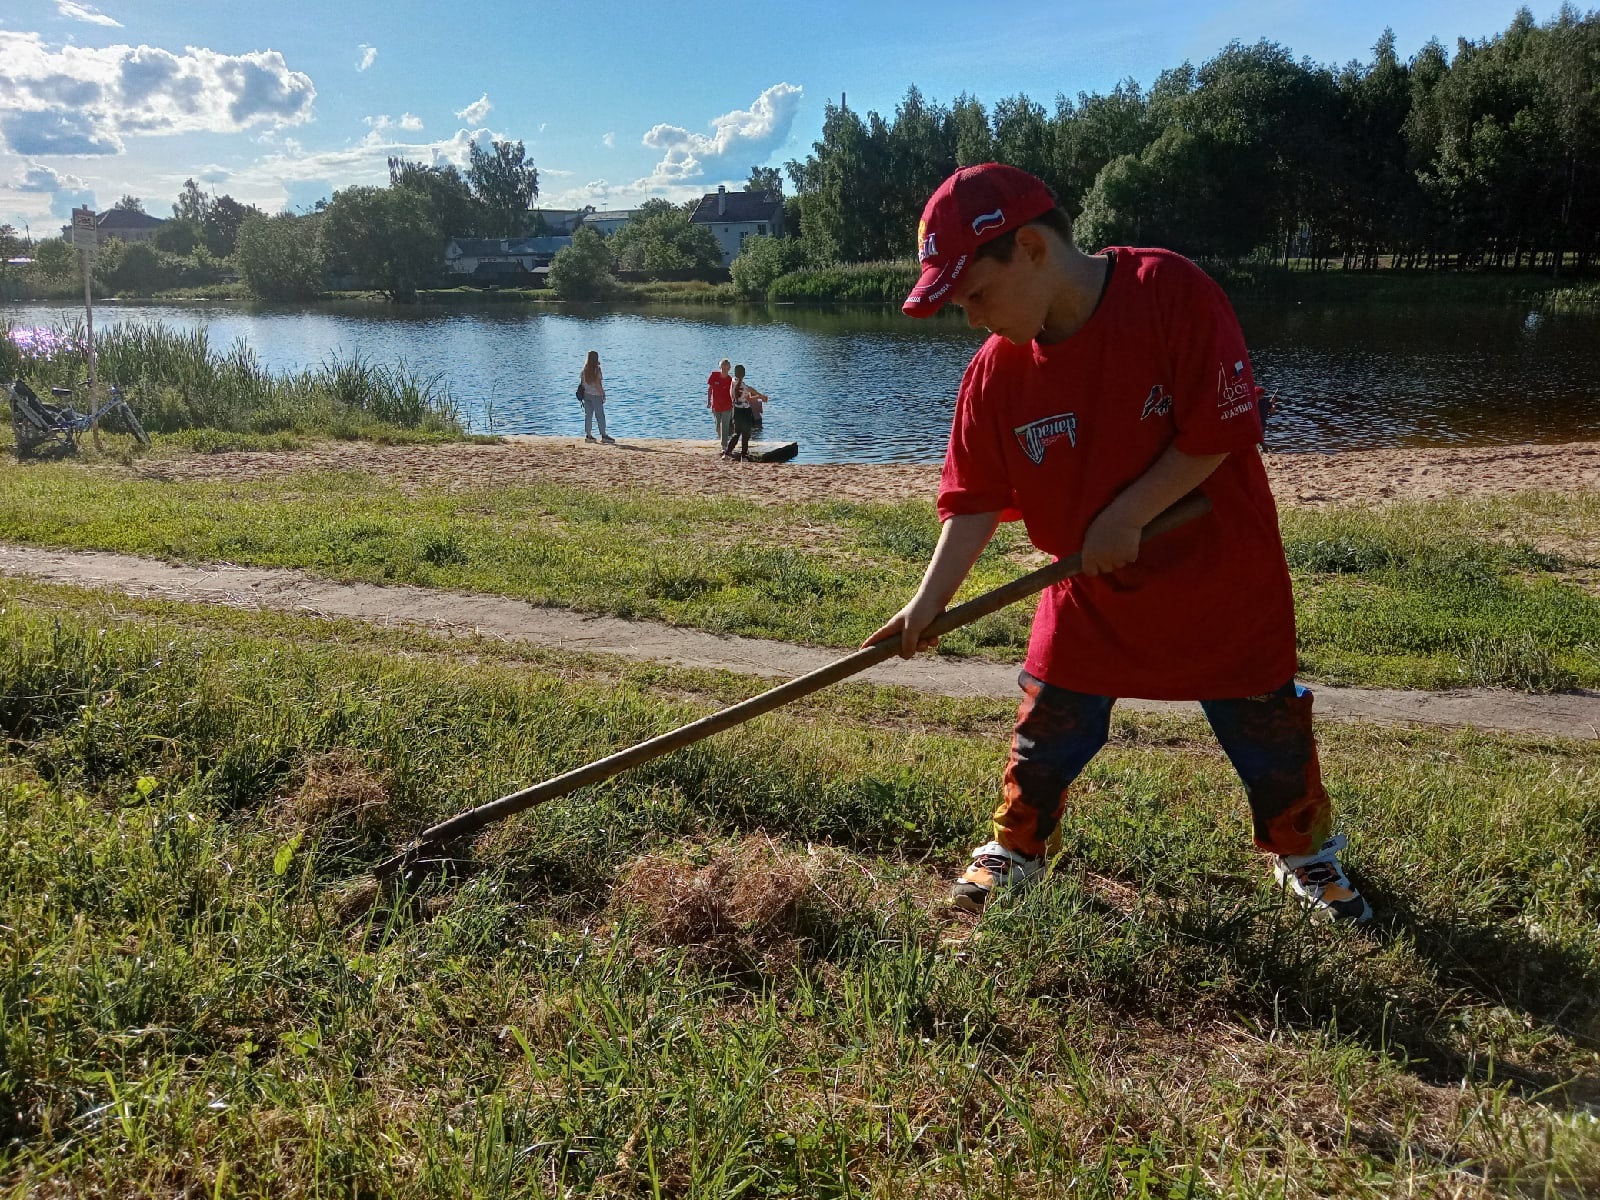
212 173
747 132
82 101
609 141
82 12
475 112
410 122
369 55
302 177
40 178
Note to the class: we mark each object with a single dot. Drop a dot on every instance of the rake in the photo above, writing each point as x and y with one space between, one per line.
427 849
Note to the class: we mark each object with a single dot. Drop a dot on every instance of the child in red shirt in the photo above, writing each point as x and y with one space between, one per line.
719 399
1113 385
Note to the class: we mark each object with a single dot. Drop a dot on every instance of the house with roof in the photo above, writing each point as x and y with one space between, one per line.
127 225
123 224
734 216
562 222
608 221
503 260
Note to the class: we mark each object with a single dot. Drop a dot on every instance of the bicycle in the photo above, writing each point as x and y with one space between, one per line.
40 424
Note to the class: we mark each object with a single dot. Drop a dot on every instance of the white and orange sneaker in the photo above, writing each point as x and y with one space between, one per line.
1319 882
993 870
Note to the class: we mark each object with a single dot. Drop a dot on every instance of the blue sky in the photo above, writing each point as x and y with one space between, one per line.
280 103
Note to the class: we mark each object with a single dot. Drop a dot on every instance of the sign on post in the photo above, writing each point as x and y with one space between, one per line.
85 231
86 237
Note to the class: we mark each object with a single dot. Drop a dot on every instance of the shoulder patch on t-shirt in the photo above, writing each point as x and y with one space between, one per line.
1235 392
1037 436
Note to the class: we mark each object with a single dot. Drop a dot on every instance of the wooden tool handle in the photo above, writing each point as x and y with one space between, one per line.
465 824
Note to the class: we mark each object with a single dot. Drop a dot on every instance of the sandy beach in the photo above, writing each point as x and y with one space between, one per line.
692 468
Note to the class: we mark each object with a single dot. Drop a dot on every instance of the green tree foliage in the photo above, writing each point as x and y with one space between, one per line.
765 179
762 261
1489 157
55 257
505 185
582 271
661 239
280 258
224 217
455 209
387 238
129 204
181 235
192 204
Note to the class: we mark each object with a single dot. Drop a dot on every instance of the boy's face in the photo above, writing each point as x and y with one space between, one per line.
1004 297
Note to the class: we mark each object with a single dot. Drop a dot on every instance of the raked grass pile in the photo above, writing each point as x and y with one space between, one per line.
728 974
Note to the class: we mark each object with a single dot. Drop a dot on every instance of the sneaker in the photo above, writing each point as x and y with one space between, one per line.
1319 882
993 869
608 441
588 437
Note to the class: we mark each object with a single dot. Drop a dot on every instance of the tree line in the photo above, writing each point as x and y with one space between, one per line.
1487 158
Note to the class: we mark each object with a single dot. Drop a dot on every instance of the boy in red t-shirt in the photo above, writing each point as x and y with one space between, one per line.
719 399
1113 385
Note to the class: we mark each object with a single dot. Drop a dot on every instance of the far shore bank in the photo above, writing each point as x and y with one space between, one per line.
844 288
693 468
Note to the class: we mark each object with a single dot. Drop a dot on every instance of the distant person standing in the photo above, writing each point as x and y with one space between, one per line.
745 402
592 385
719 399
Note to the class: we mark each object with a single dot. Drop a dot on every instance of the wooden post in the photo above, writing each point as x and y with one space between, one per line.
86 236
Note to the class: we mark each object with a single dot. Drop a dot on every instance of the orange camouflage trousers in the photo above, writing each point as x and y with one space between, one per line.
1268 739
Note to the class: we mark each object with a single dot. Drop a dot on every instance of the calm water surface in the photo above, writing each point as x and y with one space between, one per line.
871 386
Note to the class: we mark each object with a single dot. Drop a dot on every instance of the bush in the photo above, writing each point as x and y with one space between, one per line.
582 271
871 283
280 258
761 262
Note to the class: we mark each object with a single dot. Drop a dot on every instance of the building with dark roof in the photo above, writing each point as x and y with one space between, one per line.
127 225
734 216
502 260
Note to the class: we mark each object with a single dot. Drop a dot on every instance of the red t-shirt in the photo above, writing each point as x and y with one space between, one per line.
721 391
1052 434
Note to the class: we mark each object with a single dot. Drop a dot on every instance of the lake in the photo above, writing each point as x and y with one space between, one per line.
875 386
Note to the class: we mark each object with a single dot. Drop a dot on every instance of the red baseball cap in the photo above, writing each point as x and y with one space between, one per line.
973 206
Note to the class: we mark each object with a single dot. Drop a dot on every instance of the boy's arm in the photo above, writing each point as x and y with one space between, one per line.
960 542
1112 539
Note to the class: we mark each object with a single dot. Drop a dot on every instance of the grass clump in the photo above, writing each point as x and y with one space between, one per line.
849 283
724 974
177 383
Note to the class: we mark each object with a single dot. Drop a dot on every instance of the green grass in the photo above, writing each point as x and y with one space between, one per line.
1441 594
852 283
176 382
186 796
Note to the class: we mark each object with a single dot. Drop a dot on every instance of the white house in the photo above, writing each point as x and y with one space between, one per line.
611 220
734 216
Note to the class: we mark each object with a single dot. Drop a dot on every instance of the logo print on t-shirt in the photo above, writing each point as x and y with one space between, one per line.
1235 392
1158 403
1037 436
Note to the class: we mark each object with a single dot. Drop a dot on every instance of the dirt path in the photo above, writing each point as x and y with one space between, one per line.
692 468
1568 715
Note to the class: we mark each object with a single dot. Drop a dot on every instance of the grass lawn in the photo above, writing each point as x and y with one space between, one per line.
1498 592
728 973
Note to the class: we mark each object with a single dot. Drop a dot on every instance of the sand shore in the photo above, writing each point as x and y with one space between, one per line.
683 467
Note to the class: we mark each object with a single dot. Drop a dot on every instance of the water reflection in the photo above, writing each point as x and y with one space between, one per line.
869 385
